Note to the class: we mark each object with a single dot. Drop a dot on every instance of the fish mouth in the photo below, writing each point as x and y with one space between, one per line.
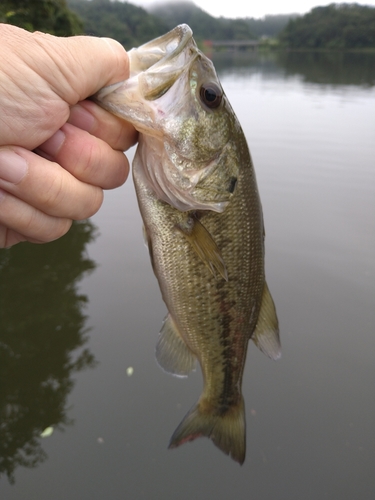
154 68
160 51
159 63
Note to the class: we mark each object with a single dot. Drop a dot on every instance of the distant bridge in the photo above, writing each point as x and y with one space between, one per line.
233 44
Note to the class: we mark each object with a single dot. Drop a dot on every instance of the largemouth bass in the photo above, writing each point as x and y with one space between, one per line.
203 224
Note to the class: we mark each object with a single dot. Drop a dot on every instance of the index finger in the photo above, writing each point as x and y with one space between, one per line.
115 131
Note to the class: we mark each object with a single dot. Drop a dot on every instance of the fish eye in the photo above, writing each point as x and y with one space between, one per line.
211 95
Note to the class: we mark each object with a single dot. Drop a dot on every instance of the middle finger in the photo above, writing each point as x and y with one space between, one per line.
50 188
88 158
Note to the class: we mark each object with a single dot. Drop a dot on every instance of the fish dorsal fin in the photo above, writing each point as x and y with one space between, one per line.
172 353
266 334
204 245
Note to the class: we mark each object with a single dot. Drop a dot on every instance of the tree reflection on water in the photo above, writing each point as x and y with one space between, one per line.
331 67
321 67
42 339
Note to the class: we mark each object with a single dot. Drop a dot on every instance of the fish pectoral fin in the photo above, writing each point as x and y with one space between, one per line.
172 354
266 335
146 238
148 242
204 245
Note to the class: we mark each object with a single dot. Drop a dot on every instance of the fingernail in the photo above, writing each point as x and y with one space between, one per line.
13 167
81 118
53 144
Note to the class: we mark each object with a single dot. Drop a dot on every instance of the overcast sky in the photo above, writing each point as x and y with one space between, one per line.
256 8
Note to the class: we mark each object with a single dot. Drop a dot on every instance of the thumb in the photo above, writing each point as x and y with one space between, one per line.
78 66
92 63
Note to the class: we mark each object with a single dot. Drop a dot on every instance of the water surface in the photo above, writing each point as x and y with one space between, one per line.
77 313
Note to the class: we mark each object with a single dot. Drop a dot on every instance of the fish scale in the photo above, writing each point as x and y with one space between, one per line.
203 222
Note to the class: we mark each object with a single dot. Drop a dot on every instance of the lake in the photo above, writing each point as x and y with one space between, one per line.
79 320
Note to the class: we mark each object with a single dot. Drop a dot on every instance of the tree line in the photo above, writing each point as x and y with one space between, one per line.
127 23
336 26
49 16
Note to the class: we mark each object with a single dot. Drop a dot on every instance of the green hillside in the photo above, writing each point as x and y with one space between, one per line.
127 23
269 26
337 26
203 24
50 16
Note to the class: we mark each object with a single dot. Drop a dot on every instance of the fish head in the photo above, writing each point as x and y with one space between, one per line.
173 96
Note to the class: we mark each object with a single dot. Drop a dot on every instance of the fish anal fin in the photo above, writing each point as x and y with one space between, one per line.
172 354
266 335
204 245
226 430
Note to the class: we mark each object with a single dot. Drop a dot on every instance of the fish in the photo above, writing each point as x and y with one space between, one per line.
203 225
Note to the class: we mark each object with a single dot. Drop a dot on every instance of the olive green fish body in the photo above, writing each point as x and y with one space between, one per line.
214 317
203 224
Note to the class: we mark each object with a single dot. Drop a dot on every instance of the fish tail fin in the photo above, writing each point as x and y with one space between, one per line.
227 430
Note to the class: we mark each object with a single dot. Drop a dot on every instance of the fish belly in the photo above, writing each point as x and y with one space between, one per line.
212 318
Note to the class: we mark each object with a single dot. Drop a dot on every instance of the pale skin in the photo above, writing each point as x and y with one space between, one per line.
58 150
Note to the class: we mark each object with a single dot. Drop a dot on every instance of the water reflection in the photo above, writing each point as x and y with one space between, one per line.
334 68
311 417
337 68
245 62
42 338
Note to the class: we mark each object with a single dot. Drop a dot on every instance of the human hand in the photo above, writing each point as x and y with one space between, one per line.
57 150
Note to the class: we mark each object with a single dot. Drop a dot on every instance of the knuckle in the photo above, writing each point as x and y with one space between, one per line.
66 196
117 171
39 227
118 139
86 160
54 231
92 205
53 191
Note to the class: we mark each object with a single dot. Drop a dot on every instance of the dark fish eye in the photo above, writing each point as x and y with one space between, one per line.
211 95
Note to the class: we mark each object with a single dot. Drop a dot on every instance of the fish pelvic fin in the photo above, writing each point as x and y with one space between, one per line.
227 430
204 245
266 334
172 354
